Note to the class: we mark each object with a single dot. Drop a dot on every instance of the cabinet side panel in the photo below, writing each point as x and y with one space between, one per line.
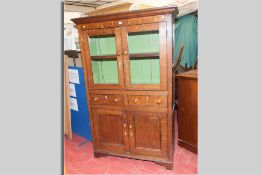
170 121
84 66
187 112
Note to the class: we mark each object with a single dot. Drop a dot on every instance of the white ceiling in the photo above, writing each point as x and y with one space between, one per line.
85 6
88 3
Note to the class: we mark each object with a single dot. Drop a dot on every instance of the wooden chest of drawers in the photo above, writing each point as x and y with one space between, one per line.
127 63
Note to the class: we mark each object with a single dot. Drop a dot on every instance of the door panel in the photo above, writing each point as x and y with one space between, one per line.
144 48
147 133
110 131
104 58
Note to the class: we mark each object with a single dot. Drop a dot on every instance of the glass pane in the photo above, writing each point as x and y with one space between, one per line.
145 68
143 42
103 59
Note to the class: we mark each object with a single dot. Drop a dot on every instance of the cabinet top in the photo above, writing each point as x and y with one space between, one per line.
188 74
127 15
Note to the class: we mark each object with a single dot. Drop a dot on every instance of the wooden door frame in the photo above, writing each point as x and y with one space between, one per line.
101 32
161 27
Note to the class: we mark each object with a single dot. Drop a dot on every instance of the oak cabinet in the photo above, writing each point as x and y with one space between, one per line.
127 62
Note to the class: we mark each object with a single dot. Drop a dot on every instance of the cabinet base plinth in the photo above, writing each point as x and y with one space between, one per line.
167 165
97 155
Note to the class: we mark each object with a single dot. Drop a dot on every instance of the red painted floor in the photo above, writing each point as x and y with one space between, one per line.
80 160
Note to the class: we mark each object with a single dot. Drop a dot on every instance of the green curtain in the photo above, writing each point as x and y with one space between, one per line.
186 33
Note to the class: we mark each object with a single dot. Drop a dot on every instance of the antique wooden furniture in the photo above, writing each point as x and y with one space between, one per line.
67 113
187 110
176 68
127 62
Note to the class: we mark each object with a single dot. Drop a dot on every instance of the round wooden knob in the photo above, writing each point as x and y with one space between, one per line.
158 101
125 125
125 52
95 99
136 100
130 126
105 97
116 100
147 98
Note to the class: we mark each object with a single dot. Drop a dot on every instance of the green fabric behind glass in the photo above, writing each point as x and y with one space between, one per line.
102 45
143 42
186 33
145 71
142 70
105 71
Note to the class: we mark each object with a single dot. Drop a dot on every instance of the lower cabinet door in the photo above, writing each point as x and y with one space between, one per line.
110 129
148 133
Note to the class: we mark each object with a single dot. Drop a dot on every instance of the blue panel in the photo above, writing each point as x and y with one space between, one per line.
80 119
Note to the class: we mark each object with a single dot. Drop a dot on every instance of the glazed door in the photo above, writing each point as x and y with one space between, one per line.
110 129
103 53
148 133
144 53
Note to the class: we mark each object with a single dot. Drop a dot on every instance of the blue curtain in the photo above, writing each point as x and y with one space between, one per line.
186 33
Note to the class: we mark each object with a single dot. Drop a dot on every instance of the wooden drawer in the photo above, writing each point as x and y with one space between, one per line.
107 99
147 100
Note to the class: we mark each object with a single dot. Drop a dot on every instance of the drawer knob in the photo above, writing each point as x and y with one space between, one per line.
130 126
125 133
158 101
125 52
131 134
120 22
116 100
147 98
95 99
136 100
105 97
125 125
